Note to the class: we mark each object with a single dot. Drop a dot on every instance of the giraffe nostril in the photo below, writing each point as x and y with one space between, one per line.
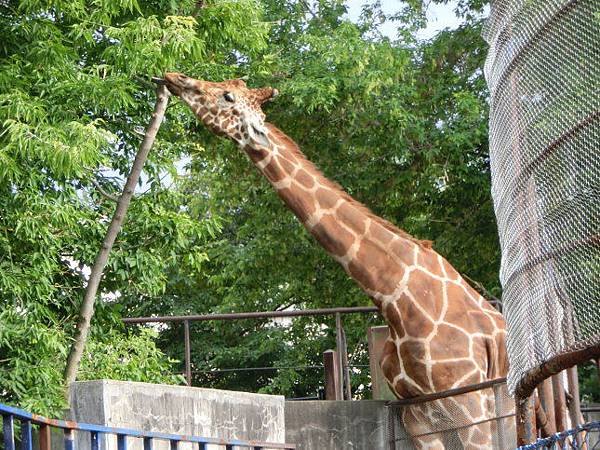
181 77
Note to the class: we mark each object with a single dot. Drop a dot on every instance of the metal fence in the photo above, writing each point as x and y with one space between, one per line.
585 436
443 419
341 365
96 432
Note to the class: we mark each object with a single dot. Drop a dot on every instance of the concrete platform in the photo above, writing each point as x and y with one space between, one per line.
176 409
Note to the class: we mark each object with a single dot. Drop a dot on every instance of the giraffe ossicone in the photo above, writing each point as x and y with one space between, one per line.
443 334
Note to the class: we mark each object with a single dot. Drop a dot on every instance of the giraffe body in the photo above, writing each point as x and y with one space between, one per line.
443 334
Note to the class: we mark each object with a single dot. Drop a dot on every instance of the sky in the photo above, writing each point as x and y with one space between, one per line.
439 16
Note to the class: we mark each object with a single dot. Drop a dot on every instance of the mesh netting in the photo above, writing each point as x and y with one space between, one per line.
543 71
451 423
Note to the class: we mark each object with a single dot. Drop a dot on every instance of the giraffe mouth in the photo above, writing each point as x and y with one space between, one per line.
172 82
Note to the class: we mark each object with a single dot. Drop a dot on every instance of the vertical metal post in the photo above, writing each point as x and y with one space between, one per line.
94 444
339 345
8 429
201 446
525 417
121 442
45 438
147 443
560 403
345 366
174 445
332 381
26 435
547 401
188 364
69 442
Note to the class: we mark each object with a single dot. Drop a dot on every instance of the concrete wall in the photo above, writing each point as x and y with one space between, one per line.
337 425
176 409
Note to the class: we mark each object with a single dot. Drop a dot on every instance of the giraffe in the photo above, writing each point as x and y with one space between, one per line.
443 334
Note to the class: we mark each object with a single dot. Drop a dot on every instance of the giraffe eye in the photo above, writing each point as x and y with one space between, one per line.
229 97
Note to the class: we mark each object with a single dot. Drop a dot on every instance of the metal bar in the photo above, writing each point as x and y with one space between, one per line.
174 445
340 362
345 368
201 446
255 315
26 442
229 447
448 393
147 443
45 437
121 442
251 369
535 376
69 443
94 444
330 361
188 363
526 430
8 430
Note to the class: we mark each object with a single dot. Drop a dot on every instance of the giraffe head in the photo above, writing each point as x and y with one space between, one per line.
227 108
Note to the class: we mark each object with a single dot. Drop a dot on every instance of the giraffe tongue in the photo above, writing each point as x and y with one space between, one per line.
158 80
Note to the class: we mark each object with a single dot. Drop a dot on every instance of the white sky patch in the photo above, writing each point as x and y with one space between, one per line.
439 17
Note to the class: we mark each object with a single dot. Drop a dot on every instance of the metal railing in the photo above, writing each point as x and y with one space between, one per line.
9 414
586 436
337 312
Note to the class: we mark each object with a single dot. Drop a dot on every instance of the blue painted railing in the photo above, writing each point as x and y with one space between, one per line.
10 414
586 436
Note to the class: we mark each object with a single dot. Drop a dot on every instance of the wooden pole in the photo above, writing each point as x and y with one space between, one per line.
560 404
547 401
332 374
87 306
574 404
525 417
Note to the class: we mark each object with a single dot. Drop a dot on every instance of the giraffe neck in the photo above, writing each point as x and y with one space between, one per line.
371 250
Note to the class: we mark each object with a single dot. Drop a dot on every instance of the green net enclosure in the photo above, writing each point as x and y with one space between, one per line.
543 72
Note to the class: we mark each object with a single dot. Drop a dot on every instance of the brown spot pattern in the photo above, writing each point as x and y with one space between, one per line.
326 198
303 208
334 238
429 291
415 323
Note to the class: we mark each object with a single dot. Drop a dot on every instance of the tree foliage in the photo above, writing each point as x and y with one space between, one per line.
73 100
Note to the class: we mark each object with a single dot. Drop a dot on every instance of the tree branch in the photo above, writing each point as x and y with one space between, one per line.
103 192
481 289
87 306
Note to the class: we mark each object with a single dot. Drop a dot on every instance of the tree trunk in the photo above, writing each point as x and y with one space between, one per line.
87 307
